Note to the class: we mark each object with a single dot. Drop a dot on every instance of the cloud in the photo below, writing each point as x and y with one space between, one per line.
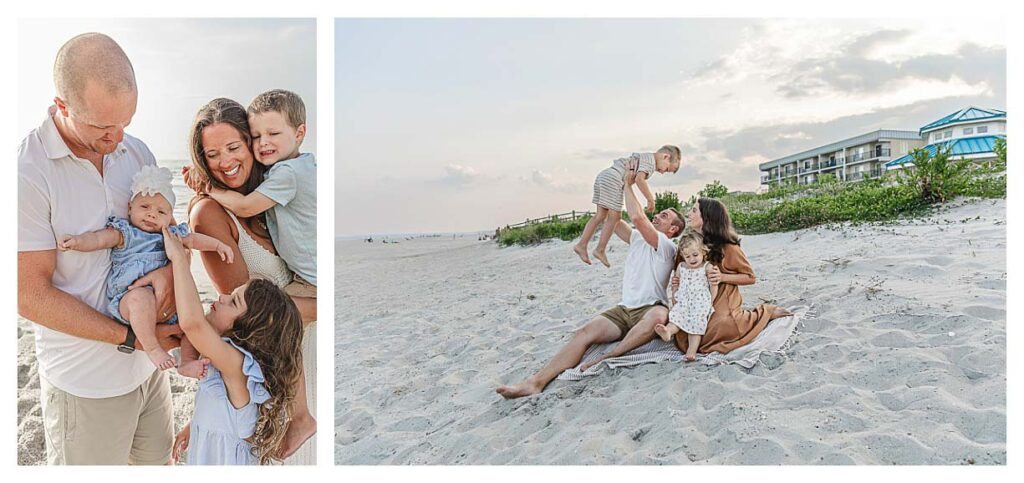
561 182
606 155
853 67
460 176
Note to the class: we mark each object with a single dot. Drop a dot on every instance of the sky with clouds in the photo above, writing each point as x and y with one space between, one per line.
180 65
470 124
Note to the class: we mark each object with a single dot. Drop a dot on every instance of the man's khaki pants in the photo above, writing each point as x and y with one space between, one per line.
135 428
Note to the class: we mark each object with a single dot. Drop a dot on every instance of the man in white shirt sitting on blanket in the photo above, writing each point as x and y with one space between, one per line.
644 297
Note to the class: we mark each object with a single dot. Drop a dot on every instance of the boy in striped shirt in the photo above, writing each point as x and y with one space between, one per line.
608 192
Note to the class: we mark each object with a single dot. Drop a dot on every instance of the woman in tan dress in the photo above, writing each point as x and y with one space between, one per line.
730 326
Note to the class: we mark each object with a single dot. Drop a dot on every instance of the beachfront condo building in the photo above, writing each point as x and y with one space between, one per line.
968 133
853 159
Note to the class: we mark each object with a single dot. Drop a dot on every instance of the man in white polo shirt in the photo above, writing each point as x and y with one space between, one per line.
644 296
103 402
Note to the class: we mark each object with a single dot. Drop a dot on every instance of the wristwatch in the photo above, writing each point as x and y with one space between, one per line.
128 346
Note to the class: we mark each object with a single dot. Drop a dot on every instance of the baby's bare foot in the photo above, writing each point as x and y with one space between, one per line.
196 369
690 357
662 332
599 254
161 359
581 251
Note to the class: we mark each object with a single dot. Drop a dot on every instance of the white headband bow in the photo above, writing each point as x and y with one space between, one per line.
153 180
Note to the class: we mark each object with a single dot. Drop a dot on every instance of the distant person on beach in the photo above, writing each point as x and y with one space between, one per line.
136 248
644 297
103 402
608 195
221 149
730 326
691 301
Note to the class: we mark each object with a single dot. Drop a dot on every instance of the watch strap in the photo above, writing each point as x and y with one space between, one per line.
128 346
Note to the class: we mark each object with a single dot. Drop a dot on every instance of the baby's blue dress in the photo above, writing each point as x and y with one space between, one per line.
218 429
142 253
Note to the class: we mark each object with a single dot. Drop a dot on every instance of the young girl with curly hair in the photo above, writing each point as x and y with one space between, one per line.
253 339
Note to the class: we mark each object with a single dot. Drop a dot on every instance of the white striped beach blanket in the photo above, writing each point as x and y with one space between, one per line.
775 338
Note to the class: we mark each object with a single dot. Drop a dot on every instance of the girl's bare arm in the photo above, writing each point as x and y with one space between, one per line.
201 334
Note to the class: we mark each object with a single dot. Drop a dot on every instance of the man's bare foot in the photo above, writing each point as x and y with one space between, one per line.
780 312
523 389
161 359
581 251
196 368
690 357
300 429
599 254
663 332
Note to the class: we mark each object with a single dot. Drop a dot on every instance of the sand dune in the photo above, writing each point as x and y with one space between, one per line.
904 363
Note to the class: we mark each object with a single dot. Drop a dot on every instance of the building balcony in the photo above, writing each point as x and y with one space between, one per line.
809 169
764 179
829 164
860 175
873 154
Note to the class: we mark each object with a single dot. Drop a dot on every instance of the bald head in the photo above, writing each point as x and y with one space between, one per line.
92 62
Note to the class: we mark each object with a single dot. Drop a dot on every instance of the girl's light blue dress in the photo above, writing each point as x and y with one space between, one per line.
141 253
218 429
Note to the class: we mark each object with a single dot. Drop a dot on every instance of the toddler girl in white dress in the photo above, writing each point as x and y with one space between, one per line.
692 302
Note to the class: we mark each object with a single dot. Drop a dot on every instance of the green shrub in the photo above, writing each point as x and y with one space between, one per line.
536 233
715 189
1000 150
936 178
665 200
870 200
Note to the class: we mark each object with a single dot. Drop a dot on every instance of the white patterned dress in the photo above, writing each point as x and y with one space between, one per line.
693 305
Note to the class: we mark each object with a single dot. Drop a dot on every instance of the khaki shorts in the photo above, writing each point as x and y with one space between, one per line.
135 428
625 319
300 288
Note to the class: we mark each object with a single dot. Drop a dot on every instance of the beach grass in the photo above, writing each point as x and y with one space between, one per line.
536 233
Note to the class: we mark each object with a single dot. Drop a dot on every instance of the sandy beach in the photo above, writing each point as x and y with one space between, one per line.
903 362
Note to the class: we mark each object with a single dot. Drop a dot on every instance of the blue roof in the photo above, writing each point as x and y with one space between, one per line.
960 147
968 114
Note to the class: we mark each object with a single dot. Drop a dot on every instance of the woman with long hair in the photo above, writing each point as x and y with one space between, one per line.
730 325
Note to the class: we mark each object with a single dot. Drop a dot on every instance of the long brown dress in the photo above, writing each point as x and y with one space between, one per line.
730 326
